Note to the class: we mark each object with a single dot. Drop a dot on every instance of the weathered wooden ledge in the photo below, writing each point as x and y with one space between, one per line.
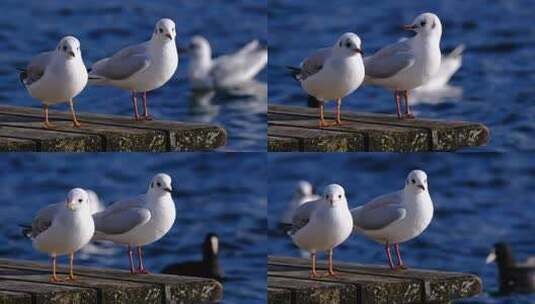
24 282
297 129
21 130
289 283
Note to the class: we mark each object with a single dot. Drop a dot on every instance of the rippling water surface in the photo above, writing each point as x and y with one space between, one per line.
222 193
495 81
479 199
104 27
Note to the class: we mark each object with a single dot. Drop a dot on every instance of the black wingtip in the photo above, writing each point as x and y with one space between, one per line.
26 230
22 75
294 72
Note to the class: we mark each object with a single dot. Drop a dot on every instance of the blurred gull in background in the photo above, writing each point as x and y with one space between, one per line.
226 71
437 90
304 193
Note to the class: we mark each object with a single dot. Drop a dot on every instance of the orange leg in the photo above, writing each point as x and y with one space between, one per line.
134 102
314 273
339 111
323 122
75 122
408 113
46 123
72 277
331 268
54 278
146 115
141 268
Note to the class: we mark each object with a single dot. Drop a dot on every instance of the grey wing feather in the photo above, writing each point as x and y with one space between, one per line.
36 68
314 63
122 216
389 60
123 64
44 219
302 215
379 212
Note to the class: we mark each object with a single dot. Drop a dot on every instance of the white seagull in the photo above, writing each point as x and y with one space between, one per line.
332 73
322 225
56 76
303 193
63 228
397 217
142 67
138 221
207 73
407 64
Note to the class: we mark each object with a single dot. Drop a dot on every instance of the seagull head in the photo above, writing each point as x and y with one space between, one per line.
69 47
76 199
161 184
334 195
164 30
349 43
426 24
416 181
199 48
304 188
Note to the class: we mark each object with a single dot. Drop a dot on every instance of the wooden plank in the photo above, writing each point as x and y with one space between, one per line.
115 285
279 296
435 286
383 130
123 133
11 297
318 140
282 144
372 288
51 293
54 141
11 144
313 292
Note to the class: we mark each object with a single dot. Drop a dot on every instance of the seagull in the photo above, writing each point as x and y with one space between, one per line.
207 268
62 228
303 193
332 73
142 67
407 64
138 221
207 73
56 76
322 225
397 217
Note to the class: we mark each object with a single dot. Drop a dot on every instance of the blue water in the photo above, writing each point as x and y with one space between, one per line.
222 193
479 199
104 27
496 78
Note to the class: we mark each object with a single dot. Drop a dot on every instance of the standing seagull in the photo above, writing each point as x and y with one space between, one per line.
141 67
138 221
322 225
407 64
56 76
63 228
397 217
229 70
332 73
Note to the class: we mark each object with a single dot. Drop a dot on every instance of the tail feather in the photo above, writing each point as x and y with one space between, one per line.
295 72
26 230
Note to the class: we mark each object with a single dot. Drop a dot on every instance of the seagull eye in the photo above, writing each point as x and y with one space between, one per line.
160 30
65 48
422 23
80 200
348 45
413 181
158 184
339 196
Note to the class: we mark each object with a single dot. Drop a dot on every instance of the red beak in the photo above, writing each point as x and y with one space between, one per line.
409 27
169 36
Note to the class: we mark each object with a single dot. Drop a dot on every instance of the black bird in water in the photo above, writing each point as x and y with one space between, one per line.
512 276
207 268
